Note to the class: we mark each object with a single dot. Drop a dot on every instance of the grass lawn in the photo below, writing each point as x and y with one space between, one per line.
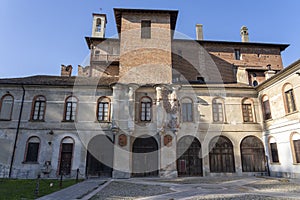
25 189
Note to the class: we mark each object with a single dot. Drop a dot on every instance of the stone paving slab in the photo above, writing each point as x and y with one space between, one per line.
76 191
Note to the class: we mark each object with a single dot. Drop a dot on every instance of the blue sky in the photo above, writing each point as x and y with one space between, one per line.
37 36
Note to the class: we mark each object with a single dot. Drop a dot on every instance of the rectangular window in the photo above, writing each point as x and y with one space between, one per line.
217 112
267 110
237 54
290 102
146 111
71 111
39 109
247 113
297 150
32 152
146 29
274 153
103 111
187 112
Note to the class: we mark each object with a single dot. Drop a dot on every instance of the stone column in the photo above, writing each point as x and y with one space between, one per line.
131 106
168 155
122 155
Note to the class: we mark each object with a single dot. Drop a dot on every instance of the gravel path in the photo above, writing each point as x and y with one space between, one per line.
127 191
238 197
206 188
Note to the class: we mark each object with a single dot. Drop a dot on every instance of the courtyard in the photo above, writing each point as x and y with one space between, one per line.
202 188
192 188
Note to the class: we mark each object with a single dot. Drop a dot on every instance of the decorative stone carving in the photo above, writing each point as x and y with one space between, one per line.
122 140
168 140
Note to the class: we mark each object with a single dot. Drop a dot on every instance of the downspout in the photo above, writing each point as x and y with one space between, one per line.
17 133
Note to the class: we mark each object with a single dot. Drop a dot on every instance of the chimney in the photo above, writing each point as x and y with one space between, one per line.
244 34
269 73
66 71
199 31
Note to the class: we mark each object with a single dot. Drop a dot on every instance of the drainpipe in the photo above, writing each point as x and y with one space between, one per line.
17 133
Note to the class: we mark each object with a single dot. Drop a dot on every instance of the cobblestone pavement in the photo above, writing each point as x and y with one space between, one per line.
220 188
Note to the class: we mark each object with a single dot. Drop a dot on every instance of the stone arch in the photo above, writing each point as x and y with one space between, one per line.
221 155
145 156
253 155
189 156
100 154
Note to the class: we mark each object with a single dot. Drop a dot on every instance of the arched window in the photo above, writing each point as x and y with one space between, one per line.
295 144
103 110
70 108
32 149
247 109
145 112
289 99
273 150
266 107
218 110
38 108
252 155
66 154
221 157
6 107
98 25
187 110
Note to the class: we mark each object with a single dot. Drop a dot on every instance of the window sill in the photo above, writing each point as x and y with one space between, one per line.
219 122
5 120
103 122
275 163
296 163
287 114
70 121
36 120
250 122
268 120
30 163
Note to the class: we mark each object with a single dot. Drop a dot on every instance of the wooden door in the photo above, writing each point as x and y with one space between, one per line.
189 162
145 157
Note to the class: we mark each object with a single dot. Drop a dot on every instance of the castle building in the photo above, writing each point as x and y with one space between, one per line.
150 104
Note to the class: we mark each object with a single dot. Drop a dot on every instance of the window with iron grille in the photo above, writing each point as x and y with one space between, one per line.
274 152
297 150
267 110
247 113
217 112
290 101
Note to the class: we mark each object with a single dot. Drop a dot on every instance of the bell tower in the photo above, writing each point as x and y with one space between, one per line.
99 25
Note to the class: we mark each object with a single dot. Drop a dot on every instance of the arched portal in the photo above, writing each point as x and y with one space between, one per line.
100 155
144 157
253 155
189 157
221 156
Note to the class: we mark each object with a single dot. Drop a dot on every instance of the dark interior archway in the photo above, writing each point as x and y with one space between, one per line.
221 156
99 162
144 157
189 157
253 155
